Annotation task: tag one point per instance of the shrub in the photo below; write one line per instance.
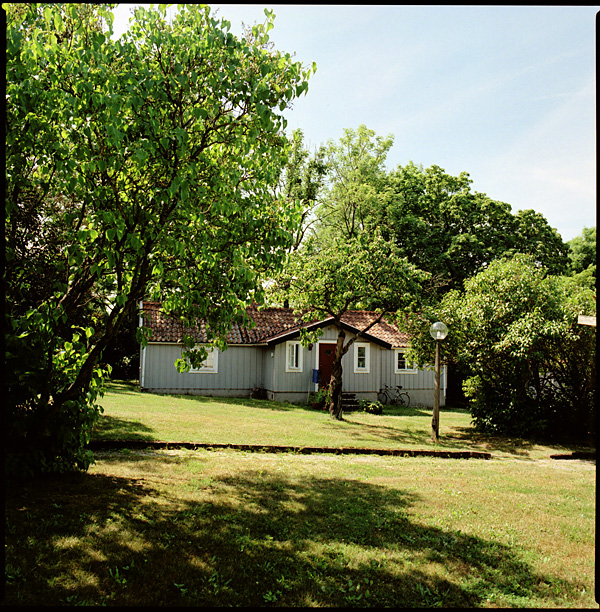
(370, 407)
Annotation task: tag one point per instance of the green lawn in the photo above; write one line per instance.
(131, 415)
(229, 528)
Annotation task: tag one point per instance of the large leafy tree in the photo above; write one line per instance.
(302, 182)
(531, 367)
(342, 267)
(354, 185)
(444, 227)
(437, 221)
(141, 167)
(327, 279)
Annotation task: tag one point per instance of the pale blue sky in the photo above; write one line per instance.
(505, 93)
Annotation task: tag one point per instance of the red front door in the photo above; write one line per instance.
(326, 357)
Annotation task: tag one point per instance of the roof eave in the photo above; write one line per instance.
(292, 334)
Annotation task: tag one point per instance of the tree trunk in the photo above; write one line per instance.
(335, 404)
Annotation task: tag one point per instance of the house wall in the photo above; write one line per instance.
(242, 368)
(419, 384)
(268, 371)
(239, 370)
(295, 387)
(288, 386)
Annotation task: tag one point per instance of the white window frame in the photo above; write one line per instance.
(367, 368)
(210, 365)
(297, 365)
(406, 369)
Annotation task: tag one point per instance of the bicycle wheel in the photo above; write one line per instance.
(404, 399)
(382, 397)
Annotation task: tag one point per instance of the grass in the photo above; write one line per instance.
(131, 415)
(228, 528)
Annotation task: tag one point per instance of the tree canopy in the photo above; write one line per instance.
(582, 255)
(447, 229)
(327, 280)
(436, 220)
(530, 367)
(355, 183)
(135, 168)
(441, 231)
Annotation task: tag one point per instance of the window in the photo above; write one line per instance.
(209, 365)
(294, 356)
(401, 365)
(362, 358)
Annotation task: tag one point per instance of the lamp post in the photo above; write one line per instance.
(438, 332)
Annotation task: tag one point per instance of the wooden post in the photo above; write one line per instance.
(435, 421)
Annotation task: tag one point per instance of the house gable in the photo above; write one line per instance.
(295, 333)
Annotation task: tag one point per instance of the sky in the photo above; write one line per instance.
(504, 93)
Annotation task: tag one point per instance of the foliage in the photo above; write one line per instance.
(322, 396)
(531, 367)
(451, 232)
(531, 234)
(355, 180)
(342, 266)
(582, 255)
(135, 168)
(435, 219)
(123, 351)
(302, 182)
(325, 280)
(370, 406)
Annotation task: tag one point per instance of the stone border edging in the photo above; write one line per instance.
(576, 455)
(141, 444)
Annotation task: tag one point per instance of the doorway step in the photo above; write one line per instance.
(349, 402)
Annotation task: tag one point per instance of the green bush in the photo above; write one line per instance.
(531, 367)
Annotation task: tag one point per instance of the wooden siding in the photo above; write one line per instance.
(242, 368)
(268, 377)
(421, 379)
(291, 382)
(239, 369)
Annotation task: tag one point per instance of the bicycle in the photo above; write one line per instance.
(394, 396)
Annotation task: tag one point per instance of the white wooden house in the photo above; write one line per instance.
(271, 358)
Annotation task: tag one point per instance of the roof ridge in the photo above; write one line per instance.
(270, 323)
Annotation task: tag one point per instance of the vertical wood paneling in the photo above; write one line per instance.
(291, 382)
(241, 368)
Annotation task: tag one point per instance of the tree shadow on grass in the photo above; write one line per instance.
(121, 429)
(389, 410)
(477, 440)
(243, 401)
(123, 387)
(250, 538)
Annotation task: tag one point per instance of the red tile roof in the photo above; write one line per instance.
(272, 325)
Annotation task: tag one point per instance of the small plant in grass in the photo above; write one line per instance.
(13, 574)
(370, 407)
(271, 597)
(117, 576)
(181, 588)
(321, 398)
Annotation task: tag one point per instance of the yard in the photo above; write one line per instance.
(231, 528)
